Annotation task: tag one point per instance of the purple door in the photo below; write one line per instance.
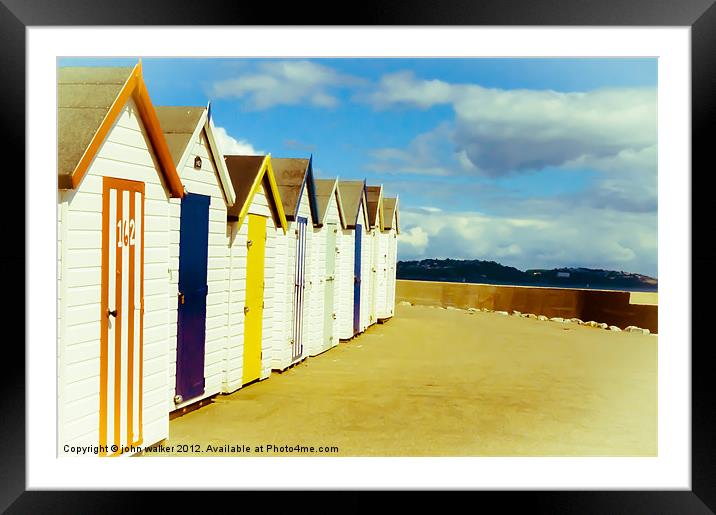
(299, 288)
(191, 315)
(356, 280)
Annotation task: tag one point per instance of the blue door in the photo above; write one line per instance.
(356, 280)
(191, 316)
(299, 288)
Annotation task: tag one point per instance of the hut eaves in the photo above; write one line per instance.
(247, 174)
(182, 125)
(89, 101)
(292, 176)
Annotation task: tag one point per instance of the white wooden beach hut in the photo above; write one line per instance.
(198, 271)
(351, 288)
(116, 176)
(326, 266)
(374, 202)
(294, 261)
(389, 235)
(256, 222)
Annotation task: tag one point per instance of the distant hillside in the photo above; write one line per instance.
(490, 272)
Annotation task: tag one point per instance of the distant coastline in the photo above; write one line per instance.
(490, 272)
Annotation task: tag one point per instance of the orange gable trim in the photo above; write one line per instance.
(137, 90)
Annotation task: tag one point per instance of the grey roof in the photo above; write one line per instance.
(243, 171)
(178, 125)
(373, 196)
(351, 197)
(84, 97)
(290, 176)
(325, 189)
(389, 206)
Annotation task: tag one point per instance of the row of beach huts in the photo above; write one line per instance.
(184, 273)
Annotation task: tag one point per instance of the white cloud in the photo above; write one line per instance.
(502, 131)
(428, 154)
(231, 146)
(414, 240)
(628, 181)
(584, 236)
(464, 161)
(403, 88)
(285, 83)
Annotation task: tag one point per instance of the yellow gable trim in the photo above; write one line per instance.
(266, 169)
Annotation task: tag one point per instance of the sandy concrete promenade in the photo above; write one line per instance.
(443, 382)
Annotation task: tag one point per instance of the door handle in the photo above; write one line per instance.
(249, 243)
(181, 298)
(246, 310)
(112, 313)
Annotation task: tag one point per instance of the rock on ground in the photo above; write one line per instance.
(635, 329)
(598, 325)
(404, 303)
(557, 319)
(503, 313)
(614, 328)
(542, 317)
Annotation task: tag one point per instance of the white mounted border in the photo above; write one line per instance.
(671, 469)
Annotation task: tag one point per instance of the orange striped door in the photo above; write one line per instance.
(122, 315)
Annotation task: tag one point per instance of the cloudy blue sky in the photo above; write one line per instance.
(527, 162)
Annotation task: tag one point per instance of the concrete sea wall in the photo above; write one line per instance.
(617, 308)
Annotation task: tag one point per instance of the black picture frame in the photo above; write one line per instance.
(700, 15)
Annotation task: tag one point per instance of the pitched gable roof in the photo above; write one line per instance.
(374, 200)
(181, 125)
(390, 210)
(248, 174)
(292, 176)
(352, 195)
(178, 125)
(84, 97)
(325, 190)
(89, 100)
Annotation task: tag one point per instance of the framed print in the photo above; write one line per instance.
(416, 249)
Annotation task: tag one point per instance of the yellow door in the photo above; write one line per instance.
(253, 310)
